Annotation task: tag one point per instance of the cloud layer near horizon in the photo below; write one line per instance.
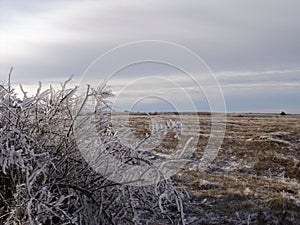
(252, 46)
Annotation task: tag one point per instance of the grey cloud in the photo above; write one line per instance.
(50, 40)
(279, 77)
(228, 31)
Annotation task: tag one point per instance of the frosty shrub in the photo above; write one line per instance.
(45, 180)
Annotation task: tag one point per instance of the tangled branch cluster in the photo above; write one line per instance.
(45, 180)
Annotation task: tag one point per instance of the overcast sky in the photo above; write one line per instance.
(252, 47)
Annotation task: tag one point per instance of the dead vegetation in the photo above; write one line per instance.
(255, 178)
(45, 179)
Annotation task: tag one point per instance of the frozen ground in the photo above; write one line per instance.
(255, 178)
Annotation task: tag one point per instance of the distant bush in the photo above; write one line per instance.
(45, 180)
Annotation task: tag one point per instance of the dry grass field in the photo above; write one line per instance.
(255, 179)
(44, 179)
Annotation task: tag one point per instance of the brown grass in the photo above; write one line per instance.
(255, 177)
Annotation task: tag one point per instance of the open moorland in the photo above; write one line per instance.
(45, 179)
(255, 179)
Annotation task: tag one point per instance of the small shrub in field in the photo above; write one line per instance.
(45, 180)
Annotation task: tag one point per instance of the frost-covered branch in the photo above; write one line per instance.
(45, 180)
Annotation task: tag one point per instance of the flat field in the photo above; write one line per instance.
(255, 178)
